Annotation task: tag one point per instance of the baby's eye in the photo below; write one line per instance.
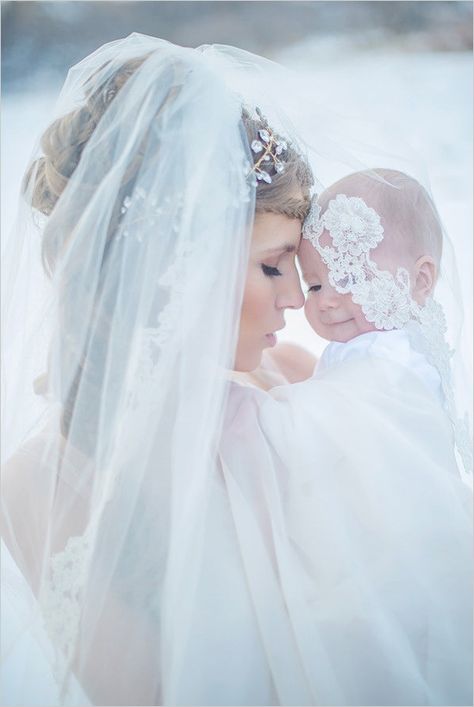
(270, 271)
(314, 288)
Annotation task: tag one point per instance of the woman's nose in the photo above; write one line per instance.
(291, 295)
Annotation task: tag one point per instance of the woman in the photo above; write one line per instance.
(173, 214)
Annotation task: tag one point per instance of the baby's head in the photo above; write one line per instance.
(412, 240)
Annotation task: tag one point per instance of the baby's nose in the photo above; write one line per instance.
(328, 298)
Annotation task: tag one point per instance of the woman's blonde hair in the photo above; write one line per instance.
(64, 140)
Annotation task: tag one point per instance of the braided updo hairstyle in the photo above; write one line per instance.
(64, 140)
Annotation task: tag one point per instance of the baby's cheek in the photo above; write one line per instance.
(361, 322)
(353, 309)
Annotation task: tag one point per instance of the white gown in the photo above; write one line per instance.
(346, 494)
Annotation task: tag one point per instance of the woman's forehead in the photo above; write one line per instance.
(276, 233)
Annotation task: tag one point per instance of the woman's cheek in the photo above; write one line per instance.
(256, 297)
(255, 308)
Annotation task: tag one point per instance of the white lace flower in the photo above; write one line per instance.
(60, 600)
(432, 318)
(384, 303)
(354, 227)
(432, 325)
(345, 271)
(464, 443)
(312, 226)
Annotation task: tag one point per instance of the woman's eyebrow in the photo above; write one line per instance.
(288, 248)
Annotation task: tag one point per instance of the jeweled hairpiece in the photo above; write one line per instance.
(271, 148)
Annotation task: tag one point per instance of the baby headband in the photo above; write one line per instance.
(355, 230)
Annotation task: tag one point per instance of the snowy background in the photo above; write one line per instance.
(405, 66)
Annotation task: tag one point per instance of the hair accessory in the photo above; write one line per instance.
(271, 148)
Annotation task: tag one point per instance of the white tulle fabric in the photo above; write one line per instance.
(350, 483)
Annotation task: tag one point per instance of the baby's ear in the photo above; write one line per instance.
(425, 278)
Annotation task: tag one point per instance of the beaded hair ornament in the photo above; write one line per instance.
(385, 299)
(271, 148)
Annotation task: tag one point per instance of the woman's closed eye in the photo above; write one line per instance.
(314, 288)
(270, 271)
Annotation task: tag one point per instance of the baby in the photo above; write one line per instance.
(383, 216)
(370, 256)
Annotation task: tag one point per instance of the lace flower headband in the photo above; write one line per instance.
(355, 230)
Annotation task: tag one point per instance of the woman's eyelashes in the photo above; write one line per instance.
(270, 271)
(314, 288)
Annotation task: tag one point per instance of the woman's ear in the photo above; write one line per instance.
(425, 278)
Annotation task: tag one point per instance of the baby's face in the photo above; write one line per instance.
(332, 315)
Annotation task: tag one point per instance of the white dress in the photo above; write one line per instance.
(346, 493)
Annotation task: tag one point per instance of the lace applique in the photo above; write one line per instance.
(464, 442)
(384, 301)
(354, 227)
(60, 601)
(142, 210)
(173, 279)
(313, 225)
(151, 341)
(429, 323)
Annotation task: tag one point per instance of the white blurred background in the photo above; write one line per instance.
(406, 66)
